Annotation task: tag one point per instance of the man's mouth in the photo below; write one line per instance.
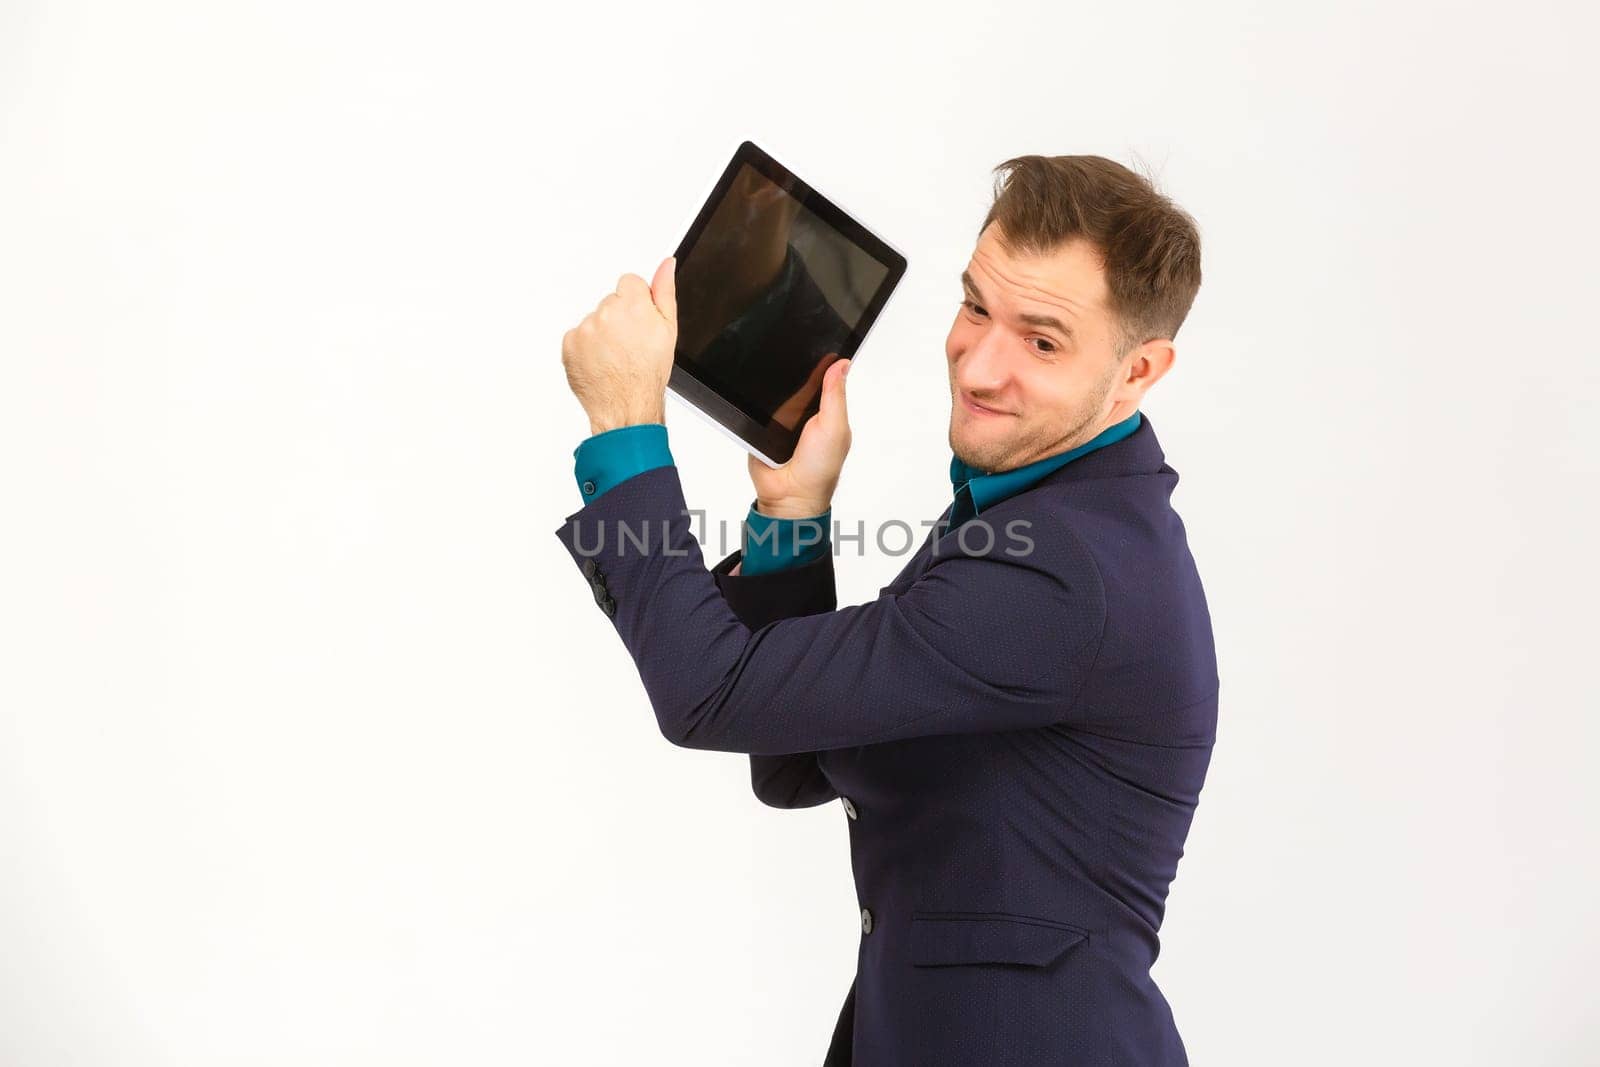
(979, 409)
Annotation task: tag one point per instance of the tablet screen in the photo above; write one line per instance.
(774, 282)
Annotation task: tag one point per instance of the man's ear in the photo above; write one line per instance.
(1146, 365)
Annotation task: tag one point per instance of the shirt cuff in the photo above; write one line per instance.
(608, 459)
(772, 544)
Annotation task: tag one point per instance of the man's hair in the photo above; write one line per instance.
(1149, 247)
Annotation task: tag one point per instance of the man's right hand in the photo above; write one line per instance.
(804, 486)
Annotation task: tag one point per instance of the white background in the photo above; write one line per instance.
(314, 748)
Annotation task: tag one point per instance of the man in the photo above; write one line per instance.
(1019, 726)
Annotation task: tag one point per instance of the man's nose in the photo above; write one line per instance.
(983, 368)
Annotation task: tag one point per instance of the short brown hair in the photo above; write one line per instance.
(1149, 246)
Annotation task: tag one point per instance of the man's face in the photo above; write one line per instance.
(1043, 386)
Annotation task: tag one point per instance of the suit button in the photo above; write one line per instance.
(849, 808)
(600, 594)
(866, 921)
(588, 489)
(609, 607)
(590, 567)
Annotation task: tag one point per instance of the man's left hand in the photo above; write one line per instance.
(619, 358)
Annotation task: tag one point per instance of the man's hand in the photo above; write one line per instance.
(619, 358)
(804, 486)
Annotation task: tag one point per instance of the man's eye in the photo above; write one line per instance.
(1049, 346)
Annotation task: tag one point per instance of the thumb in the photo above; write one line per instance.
(664, 289)
(833, 408)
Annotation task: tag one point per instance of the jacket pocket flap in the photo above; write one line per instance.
(944, 938)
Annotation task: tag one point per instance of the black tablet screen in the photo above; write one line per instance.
(768, 291)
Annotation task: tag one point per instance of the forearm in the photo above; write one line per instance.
(905, 665)
(795, 780)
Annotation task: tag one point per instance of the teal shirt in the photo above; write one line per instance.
(607, 459)
(975, 490)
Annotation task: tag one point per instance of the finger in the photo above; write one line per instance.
(664, 289)
(816, 386)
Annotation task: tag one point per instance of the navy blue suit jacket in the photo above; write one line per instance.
(1018, 738)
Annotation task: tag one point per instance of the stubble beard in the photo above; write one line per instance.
(1033, 443)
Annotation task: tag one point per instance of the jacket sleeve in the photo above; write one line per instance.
(992, 640)
(793, 781)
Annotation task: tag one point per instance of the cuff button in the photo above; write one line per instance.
(588, 489)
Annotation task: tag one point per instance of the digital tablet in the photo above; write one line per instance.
(774, 282)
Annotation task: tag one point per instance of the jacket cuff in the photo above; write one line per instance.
(802, 589)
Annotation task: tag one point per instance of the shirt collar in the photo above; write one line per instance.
(989, 489)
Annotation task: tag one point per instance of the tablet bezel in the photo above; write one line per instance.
(773, 443)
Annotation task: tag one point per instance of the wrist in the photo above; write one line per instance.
(602, 422)
(792, 508)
